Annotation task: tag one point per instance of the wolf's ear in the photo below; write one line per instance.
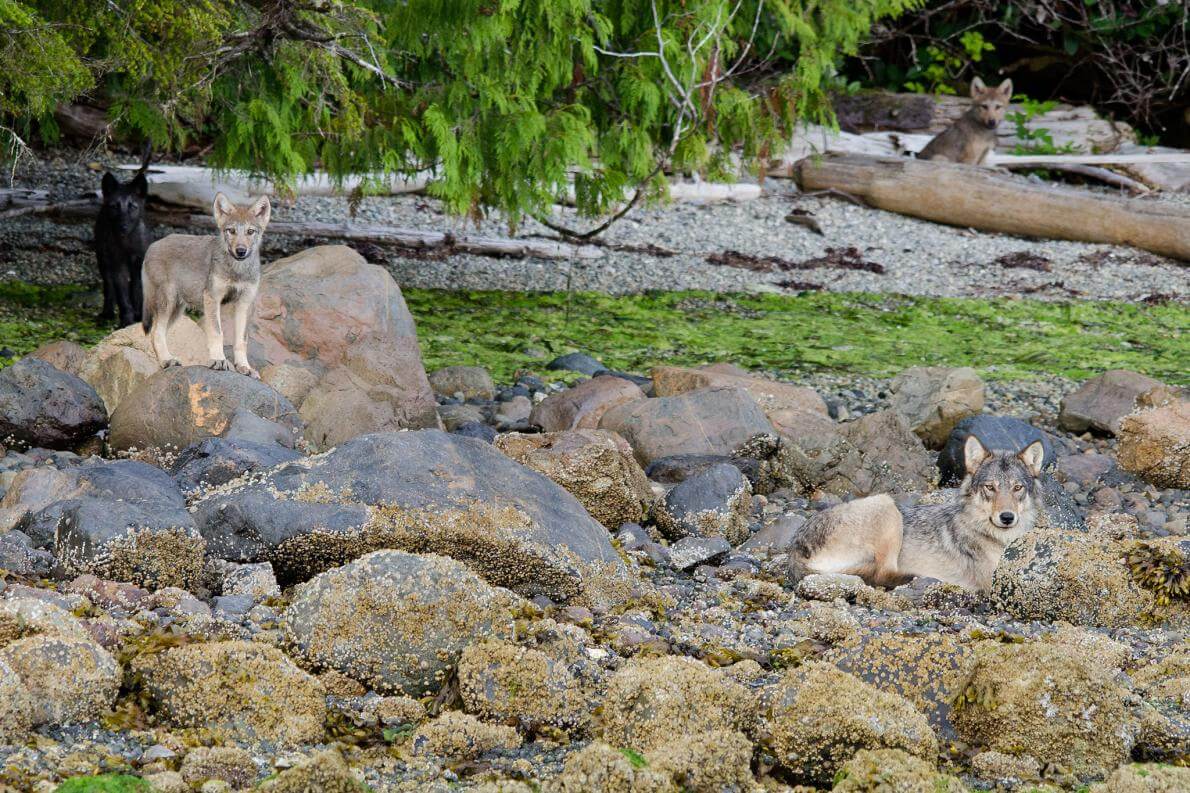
(222, 208)
(977, 87)
(974, 453)
(1032, 456)
(109, 184)
(262, 210)
(1005, 89)
(140, 184)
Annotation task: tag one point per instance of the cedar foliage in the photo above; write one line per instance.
(509, 102)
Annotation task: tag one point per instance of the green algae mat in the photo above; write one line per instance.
(862, 334)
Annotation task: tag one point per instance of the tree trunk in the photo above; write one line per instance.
(981, 198)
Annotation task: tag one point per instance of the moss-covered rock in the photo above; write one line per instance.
(600, 768)
(1078, 577)
(709, 762)
(325, 772)
(507, 683)
(1047, 701)
(892, 771)
(16, 704)
(651, 702)
(68, 679)
(394, 621)
(26, 616)
(1145, 778)
(594, 466)
(460, 736)
(254, 691)
(229, 764)
(817, 717)
(928, 669)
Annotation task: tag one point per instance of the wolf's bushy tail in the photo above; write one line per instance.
(146, 320)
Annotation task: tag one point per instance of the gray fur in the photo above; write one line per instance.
(184, 271)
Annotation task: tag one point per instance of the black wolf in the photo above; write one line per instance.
(121, 238)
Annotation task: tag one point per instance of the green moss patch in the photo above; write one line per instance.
(863, 334)
(877, 335)
(105, 783)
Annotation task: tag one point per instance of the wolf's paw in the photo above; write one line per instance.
(245, 369)
(170, 362)
(221, 365)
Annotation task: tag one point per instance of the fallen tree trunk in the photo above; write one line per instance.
(981, 198)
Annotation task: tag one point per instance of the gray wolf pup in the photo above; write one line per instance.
(185, 271)
(958, 542)
(121, 238)
(969, 139)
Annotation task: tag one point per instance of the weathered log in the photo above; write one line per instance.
(982, 198)
(430, 240)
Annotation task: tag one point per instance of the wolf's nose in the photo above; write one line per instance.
(1007, 518)
(241, 251)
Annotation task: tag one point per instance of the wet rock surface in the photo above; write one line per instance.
(548, 614)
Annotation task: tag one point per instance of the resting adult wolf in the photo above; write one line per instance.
(186, 271)
(960, 542)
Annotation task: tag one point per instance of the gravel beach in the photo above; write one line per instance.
(747, 246)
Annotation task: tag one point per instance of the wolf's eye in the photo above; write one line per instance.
(989, 487)
(251, 232)
(1018, 487)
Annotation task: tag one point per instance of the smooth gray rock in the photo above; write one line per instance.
(44, 406)
(714, 503)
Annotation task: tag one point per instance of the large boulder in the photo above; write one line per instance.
(312, 310)
(395, 621)
(424, 492)
(67, 679)
(769, 394)
(370, 391)
(1101, 402)
(1053, 702)
(583, 406)
(41, 405)
(709, 421)
(996, 433)
(817, 717)
(1155, 444)
(124, 520)
(252, 690)
(933, 399)
(116, 366)
(876, 453)
(183, 405)
(595, 466)
(716, 502)
(469, 382)
(1084, 578)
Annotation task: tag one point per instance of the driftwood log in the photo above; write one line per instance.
(981, 198)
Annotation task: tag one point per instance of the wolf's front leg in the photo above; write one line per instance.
(213, 328)
(243, 308)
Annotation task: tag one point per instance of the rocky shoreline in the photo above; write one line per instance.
(355, 572)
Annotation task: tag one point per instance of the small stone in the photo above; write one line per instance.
(691, 551)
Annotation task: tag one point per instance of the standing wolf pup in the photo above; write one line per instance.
(121, 238)
(973, 136)
(185, 271)
(959, 542)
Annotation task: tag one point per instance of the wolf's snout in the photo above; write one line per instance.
(1007, 519)
(992, 123)
(241, 252)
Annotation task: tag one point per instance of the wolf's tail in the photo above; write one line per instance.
(146, 320)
